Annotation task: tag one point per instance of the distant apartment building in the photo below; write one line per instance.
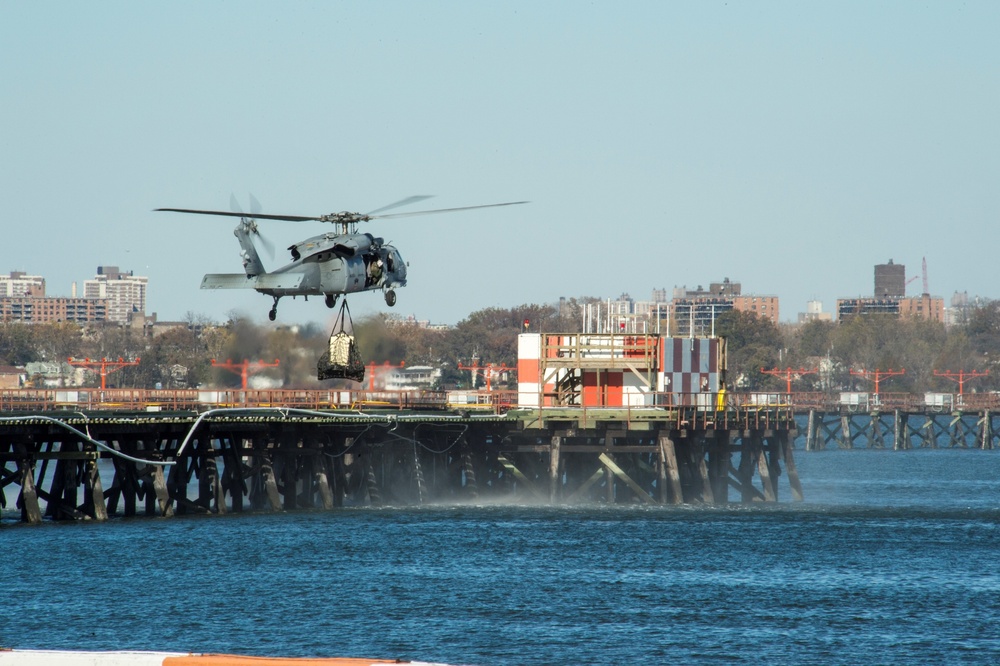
(922, 307)
(23, 299)
(125, 293)
(688, 312)
(49, 309)
(19, 284)
(814, 312)
(889, 298)
(112, 296)
(694, 312)
(890, 280)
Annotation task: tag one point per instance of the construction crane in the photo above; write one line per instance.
(927, 291)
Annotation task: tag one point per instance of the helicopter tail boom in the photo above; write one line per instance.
(273, 283)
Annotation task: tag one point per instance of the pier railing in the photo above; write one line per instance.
(703, 405)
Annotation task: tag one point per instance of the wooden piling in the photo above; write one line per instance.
(322, 484)
(270, 484)
(845, 428)
(554, 445)
(166, 508)
(768, 482)
(93, 491)
(668, 452)
(698, 452)
(471, 484)
(898, 431)
(986, 433)
(31, 512)
(811, 431)
(661, 473)
(790, 469)
(718, 466)
(750, 451)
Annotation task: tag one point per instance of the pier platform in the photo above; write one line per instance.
(93, 464)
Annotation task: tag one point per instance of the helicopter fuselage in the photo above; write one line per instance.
(327, 265)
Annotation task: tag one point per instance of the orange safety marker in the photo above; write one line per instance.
(9, 657)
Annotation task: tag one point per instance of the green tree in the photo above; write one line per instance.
(16, 345)
(753, 342)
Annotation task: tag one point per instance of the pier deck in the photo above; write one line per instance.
(91, 464)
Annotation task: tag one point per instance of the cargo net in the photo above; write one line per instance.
(341, 360)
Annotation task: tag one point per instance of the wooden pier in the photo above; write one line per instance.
(898, 421)
(97, 464)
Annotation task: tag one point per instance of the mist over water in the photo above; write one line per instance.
(892, 559)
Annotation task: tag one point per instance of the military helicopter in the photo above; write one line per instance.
(331, 264)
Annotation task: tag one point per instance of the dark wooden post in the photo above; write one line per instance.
(31, 512)
(790, 469)
(986, 438)
(811, 431)
(668, 453)
(166, 508)
(93, 491)
(554, 468)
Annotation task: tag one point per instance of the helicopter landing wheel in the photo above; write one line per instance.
(390, 298)
(331, 300)
(272, 314)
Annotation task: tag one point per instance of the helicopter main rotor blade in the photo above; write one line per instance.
(401, 202)
(258, 216)
(448, 210)
(344, 217)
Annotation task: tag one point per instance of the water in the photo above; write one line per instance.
(893, 560)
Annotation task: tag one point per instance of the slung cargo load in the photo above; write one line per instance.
(341, 360)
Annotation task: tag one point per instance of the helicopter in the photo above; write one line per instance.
(329, 265)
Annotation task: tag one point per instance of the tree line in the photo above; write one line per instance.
(828, 352)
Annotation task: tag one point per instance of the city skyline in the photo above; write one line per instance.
(131, 299)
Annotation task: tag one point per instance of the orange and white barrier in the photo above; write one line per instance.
(125, 658)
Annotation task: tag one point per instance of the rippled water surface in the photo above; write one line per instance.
(893, 559)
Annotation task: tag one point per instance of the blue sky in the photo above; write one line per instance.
(789, 146)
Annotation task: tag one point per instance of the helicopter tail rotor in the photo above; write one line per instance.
(265, 242)
(252, 226)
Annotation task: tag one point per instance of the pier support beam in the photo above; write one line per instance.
(31, 512)
(554, 468)
(986, 434)
(718, 466)
(811, 432)
(93, 491)
(322, 483)
(270, 483)
(166, 508)
(789, 458)
(765, 463)
(668, 458)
